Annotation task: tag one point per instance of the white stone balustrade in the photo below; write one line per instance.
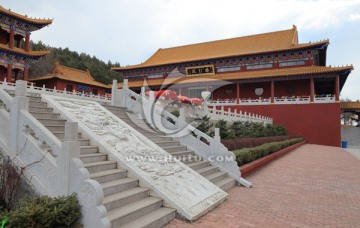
(267, 101)
(31, 89)
(188, 135)
(52, 167)
(216, 114)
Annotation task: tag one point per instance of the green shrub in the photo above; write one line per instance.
(225, 131)
(255, 130)
(175, 113)
(246, 155)
(45, 212)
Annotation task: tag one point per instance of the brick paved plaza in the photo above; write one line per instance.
(312, 186)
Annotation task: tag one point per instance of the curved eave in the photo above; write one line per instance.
(320, 44)
(18, 51)
(281, 74)
(35, 21)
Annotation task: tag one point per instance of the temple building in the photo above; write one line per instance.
(71, 80)
(15, 51)
(270, 74)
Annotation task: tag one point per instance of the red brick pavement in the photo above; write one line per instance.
(313, 186)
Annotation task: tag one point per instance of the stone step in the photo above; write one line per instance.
(183, 153)
(120, 185)
(44, 115)
(156, 139)
(207, 170)
(192, 159)
(83, 143)
(37, 104)
(60, 135)
(95, 167)
(88, 149)
(31, 98)
(47, 121)
(40, 109)
(55, 128)
(167, 143)
(199, 165)
(132, 211)
(175, 148)
(109, 107)
(155, 219)
(226, 184)
(120, 199)
(96, 157)
(218, 176)
(108, 175)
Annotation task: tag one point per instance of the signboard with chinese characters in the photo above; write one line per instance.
(200, 70)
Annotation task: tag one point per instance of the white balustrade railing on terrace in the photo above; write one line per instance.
(51, 166)
(216, 114)
(277, 100)
(63, 93)
(188, 135)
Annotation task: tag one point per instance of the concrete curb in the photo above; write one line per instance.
(259, 163)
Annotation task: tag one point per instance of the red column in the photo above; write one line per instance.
(337, 88)
(238, 93)
(26, 74)
(27, 42)
(312, 90)
(9, 73)
(11, 37)
(272, 92)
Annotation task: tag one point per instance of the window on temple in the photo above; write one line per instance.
(95, 92)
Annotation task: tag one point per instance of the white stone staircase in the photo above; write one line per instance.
(176, 149)
(127, 204)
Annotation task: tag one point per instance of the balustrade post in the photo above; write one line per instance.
(70, 148)
(20, 102)
(117, 98)
(181, 119)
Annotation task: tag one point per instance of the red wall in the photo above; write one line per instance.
(281, 88)
(317, 123)
(61, 85)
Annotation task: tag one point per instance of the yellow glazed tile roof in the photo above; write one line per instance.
(24, 17)
(355, 105)
(71, 74)
(270, 73)
(246, 45)
(21, 51)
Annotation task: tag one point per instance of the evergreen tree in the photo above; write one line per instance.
(100, 70)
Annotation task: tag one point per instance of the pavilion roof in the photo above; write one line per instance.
(25, 17)
(71, 74)
(245, 75)
(284, 40)
(350, 106)
(23, 52)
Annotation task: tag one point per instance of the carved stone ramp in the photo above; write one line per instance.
(175, 148)
(181, 187)
(127, 204)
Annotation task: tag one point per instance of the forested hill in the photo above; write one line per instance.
(98, 68)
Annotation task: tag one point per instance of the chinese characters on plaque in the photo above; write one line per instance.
(200, 70)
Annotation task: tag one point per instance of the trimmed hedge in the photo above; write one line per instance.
(247, 155)
(45, 212)
(235, 144)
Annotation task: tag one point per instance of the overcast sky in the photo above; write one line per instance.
(130, 31)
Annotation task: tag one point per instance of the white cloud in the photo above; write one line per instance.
(354, 17)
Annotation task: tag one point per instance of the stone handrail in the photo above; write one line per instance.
(63, 93)
(216, 114)
(277, 100)
(210, 148)
(52, 167)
